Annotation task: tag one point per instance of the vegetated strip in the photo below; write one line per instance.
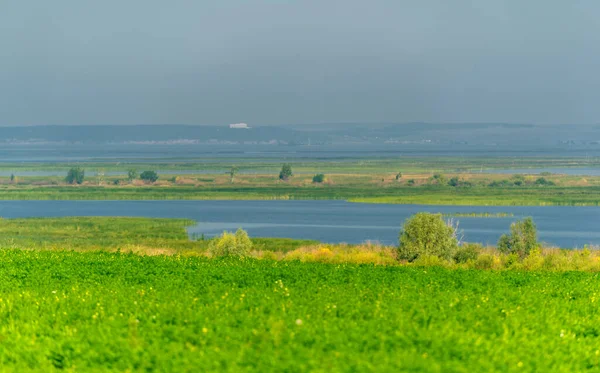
(97, 311)
(526, 196)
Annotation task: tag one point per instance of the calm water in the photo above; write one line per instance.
(47, 153)
(583, 171)
(329, 221)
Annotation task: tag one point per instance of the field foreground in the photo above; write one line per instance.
(110, 311)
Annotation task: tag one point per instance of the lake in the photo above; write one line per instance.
(327, 221)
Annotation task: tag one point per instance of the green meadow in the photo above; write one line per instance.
(433, 195)
(339, 165)
(99, 311)
(139, 235)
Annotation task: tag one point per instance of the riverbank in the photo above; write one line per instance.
(153, 236)
(390, 194)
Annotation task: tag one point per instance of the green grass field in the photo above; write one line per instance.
(366, 181)
(431, 195)
(338, 165)
(140, 235)
(115, 312)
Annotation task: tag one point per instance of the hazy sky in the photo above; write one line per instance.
(303, 61)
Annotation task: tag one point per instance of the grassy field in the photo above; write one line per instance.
(366, 181)
(107, 311)
(139, 235)
(432, 195)
(343, 165)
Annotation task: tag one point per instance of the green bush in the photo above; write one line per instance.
(438, 179)
(426, 234)
(318, 178)
(456, 182)
(467, 252)
(286, 172)
(231, 244)
(132, 175)
(150, 176)
(521, 240)
(75, 175)
(485, 261)
(542, 181)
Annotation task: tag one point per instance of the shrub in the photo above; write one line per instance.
(534, 260)
(467, 252)
(75, 175)
(149, 176)
(410, 182)
(522, 239)
(286, 172)
(542, 181)
(518, 179)
(426, 234)
(318, 178)
(232, 172)
(430, 261)
(438, 179)
(485, 261)
(132, 175)
(231, 244)
(456, 182)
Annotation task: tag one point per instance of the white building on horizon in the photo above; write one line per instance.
(239, 125)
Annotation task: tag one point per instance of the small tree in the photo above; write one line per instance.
(13, 178)
(521, 240)
(149, 176)
(286, 172)
(132, 175)
(318, 178)
(426, 234)
(232, 172)
(439, 179)
(230, 244)
(75, 175)
(399, 176)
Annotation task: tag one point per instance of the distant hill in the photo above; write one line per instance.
(466, 134)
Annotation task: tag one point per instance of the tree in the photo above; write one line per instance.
(399, 176)
(318, 178)
(230, 244)
(75, 175)
(13, 178)
(454, 182)
(521, 240)
(149, 176)
(132, 175)
(426, 234)
(286, 172)
(232, 172)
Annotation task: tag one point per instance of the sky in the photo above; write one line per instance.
(270, 62)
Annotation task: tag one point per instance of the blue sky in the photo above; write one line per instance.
(278, 62)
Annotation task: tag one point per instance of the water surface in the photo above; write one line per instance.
(328, 221)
